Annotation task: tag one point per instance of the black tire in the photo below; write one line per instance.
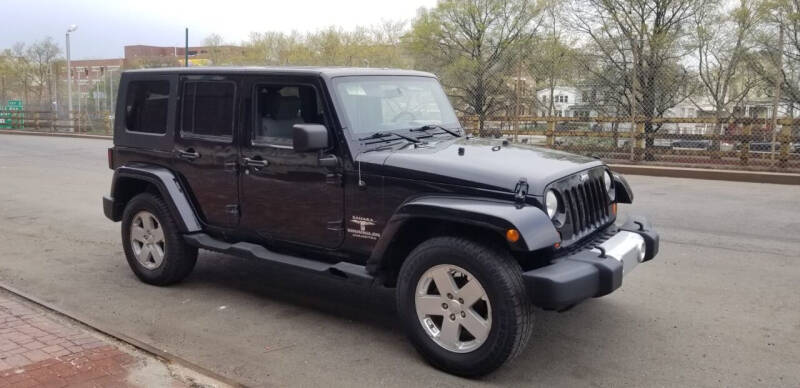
(501, 278)
(179, 257)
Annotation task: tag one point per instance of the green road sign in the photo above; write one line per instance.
(8, 120)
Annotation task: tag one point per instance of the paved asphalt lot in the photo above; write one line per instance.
(720, 306)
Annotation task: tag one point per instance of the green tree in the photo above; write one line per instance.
(472, 44)
(215, 53)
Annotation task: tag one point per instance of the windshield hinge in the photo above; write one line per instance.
(521, 191)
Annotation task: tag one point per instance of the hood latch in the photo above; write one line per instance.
(521, 191)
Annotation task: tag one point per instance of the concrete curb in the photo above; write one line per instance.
(55, 134)
(709, 174)
(147, 348)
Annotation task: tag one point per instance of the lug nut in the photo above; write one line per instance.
(461, 300)
(463, 314)
(452, 317)
(449, 296)
(444, 306)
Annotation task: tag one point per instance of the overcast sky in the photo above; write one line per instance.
(105, 26)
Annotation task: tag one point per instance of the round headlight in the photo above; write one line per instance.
(607, 180)
(551, 203)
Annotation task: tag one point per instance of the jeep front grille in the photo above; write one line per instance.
(586, 205)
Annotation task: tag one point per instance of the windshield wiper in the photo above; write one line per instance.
(381, 135)
(429, 127)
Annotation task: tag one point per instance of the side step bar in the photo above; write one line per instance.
(344, 270)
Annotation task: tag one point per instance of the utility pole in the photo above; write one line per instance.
(96, 96)
(186, 49)
(112, 108)
(78, 73)
(776, 96)
(71, 28)
(108, 100)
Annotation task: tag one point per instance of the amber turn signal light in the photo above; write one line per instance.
(614, 208)
(512, 235)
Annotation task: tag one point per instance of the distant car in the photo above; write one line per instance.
(767, 146)
(691, 144)
(367, 176)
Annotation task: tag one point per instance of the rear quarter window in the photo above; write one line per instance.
(147, 106)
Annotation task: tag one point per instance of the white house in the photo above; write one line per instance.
(564, 97)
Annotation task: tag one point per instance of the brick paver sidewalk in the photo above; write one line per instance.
(38, 350)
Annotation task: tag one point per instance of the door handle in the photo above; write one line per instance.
(255, 163)
(188, 154)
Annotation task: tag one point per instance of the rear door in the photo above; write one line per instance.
(205, 151)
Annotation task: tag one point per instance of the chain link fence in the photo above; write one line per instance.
(693, 83)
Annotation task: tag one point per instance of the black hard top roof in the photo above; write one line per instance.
(325, 72)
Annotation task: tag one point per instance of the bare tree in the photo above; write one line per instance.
(779, 64)
(553, 58)
(722, 43)
(41, 56)
(471, 44)
(642, 39)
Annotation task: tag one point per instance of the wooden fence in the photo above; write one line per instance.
(729, 143)
(50, 121)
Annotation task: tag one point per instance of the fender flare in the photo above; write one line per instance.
(168, 186)
(623, 194)
(535, 227)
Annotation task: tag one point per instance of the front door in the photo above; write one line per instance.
(286, 195)
(205, 151)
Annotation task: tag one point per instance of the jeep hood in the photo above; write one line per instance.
(481, 163)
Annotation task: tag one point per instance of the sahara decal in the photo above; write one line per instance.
(361, 231)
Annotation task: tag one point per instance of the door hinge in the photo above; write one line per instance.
(521, 191)
(232, 210)
(336, 226)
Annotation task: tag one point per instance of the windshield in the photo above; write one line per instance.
(387, 103)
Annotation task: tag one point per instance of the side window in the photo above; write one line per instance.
(146, 106)
(280, 107)
(208, 109)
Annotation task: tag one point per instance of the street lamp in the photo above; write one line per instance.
(71, 28)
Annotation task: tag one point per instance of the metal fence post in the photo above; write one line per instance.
(747, 131)
(551, 131)
(786, 136)
(640, 141)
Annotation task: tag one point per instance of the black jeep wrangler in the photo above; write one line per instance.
(367, 175)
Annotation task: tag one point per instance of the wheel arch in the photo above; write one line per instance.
(477, 219)
(132, 180)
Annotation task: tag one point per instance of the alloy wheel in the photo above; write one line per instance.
(453, 308)
(147, 240)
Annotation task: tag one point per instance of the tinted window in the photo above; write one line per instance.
(208, 108)
(280, 107)
(146, 104)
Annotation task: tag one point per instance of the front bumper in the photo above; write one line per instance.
(594, 271)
